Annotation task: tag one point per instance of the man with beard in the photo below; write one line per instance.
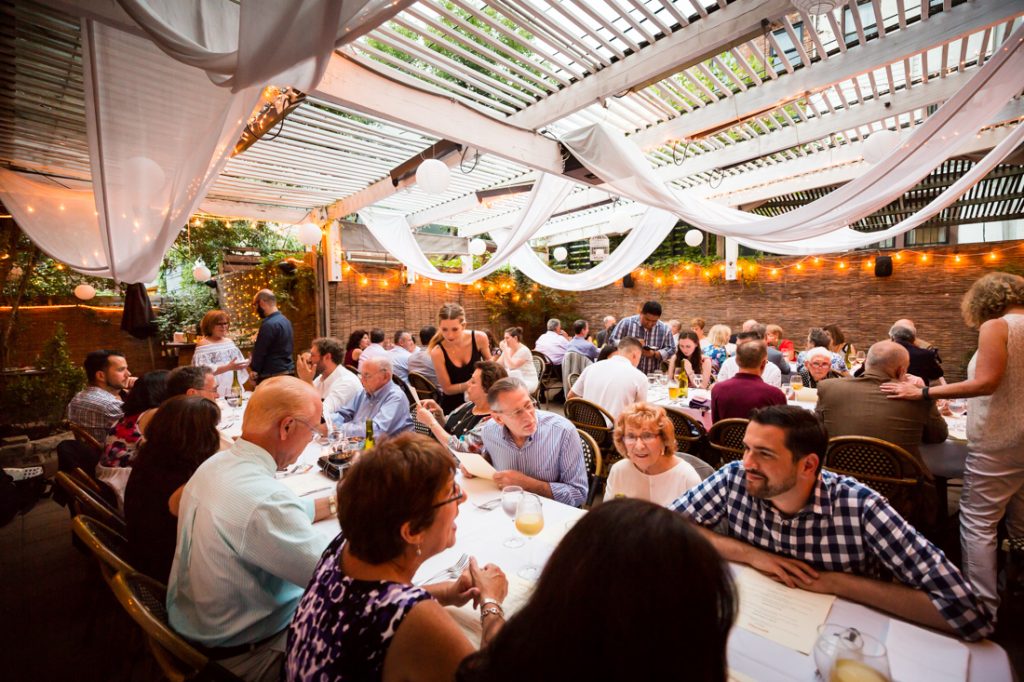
(272, 353)
(813, 529)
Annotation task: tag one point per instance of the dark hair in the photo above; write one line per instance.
(185, 377)
(97, 361)
(589, 619)
(836, 333)
(578, 326)
(805, 432)
(819, 337)
(211, 320)
(354, 339)
(427, 332)
(377, 336)
(328, 345)
(516, 333)
(606, 350)
(149, 391)
(696, 357)
(394, 483)
(490, 372)
(182, 434)
(651, 308)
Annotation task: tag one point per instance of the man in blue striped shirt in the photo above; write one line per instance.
(538, 451)
(655, 335)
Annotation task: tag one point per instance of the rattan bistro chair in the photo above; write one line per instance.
(889, 470)
(145, 601)
(83, 436)
(85, 501)
(108, 546)
(550, 376)
(592, 459)
(691, 436)
(540, 366)
(423, 386)
(726, 438)
(592, 418)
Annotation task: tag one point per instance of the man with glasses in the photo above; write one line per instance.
(247, 547)
(746, 391)
(381, 400)
(538, 451)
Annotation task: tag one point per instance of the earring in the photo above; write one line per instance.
(418, 551)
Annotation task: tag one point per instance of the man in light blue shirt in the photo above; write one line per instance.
(538, 451)
(420, 360)
(380, 400)
(579, 343)
(246, 545)
(400, 354)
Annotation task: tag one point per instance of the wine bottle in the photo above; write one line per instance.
(236, 387)
(368, 443)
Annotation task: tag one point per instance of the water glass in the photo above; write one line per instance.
(510, 495)
(697, 379)
(844, 654)
(957, 407)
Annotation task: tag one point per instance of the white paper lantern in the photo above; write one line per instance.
(816, 7)
(879, 145)
(560, 253)
(433, 176)
(477, 246)
(310, 234)
(200, 272)
(693, 238)
(85, 292)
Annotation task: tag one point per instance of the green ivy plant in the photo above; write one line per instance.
(515, 299)
(41, 400)
(183, 311)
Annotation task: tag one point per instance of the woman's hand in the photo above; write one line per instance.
(427, 416)
(457, 592)
(489, 581)
(902, 390)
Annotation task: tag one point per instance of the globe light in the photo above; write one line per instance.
(693, 237)
(560, 253)
(477, 246)
(879, 145)
(200, 272)
(433, 176)
(310, 234)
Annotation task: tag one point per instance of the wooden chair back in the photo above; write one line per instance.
(726, 438)
(84, 501)
(83, 436)
(593, 461)
(108, 546)
(423, 386)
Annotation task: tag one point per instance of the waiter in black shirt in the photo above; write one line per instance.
(272, 354)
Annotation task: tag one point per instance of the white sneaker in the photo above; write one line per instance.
(25, 473)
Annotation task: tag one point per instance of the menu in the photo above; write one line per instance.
(782, 614)
(475, 464)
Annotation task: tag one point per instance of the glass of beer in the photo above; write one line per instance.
(529, 522)
(796, 382)
(845, 654)
(673, 390)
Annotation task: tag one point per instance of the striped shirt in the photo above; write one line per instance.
(553, 454)
(388, 407)
(96, 410)
(245, 552)
(658, 337)
(846, 527)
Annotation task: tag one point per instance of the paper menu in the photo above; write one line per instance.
(782, 614)
(918, 654)
(475, 464)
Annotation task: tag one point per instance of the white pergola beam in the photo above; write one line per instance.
(959, 22)
(688, 46)
(432, 215)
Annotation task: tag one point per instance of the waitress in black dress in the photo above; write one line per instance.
(455, 351)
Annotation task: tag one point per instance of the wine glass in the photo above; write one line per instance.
(510, 495)
(957, 407)
(796, 382)
(529, 522)
(844, 654)
(697, 379)
(861, 355)
(334, 438)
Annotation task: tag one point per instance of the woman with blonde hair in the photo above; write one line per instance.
(994, 471)
(455, 351)
(217, 351)
(718, 340)
(650, 470)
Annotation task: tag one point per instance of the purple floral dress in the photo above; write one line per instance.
(343, 627)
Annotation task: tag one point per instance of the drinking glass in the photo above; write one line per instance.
(844, 654)
(529, 522)
(510, 495)
(957, 407)
(673, 390)
(697, 379)
(334, 438)
(796, 382)
(860, 357)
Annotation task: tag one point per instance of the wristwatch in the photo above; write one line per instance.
(924, 393)
(332, 505)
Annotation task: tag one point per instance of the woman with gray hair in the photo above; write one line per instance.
(994, 471)
(818, 367)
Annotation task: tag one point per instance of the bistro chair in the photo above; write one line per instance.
(145, 601)
(596, 476)
(550, 376)
(726, 439)
(423, 386)
(702, 468)
(108, 546)
(889, 470)
(353, 369)
(595, 421)
(86, 481)
(572, 381)
(84, 501)
(691, 436)
(540, 367)
(83, 436)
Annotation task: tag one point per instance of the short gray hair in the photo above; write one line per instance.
(501, 387)
(817, 351)
(554, 324)
(382, 362)
(898, 332)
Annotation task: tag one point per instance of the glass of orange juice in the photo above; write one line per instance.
(529, 522)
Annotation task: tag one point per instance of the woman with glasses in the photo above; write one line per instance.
(817, 367)
(461, 429)
(361, 616)
(650, 470)
(218, 352)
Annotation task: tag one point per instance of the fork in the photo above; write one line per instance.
(488, 505)
(450, 573)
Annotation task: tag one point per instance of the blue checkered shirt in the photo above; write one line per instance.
(659, 337)
(845, 527)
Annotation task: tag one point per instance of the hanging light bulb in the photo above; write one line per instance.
(693, 237)
(200, 272)
(560, 253)
(310, 234)
(85, 292)
(477, 246)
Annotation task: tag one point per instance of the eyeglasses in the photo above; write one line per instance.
(647, 437)
(519, 412)
(318, 430)
(457, 494)
(819, 364)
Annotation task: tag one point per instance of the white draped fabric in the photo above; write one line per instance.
(255, 42)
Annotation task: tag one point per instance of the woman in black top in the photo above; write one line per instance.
(456, 344)
(180, 436)
(460, 430)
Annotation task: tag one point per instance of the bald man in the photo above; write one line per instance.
(272, 353)
(246, 545)
(856, 406)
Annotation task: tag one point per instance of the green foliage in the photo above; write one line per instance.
(517, 300)
(183, 311)
(43, 398)
(294, 291)
(48, 280)
(210, 238)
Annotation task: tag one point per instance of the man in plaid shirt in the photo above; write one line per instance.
(98, 406)
(652, 332)
(826, 533)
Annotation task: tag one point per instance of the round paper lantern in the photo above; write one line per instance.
(693, 237)
(200, 272)
(879, 145)
(477, 246)
(816, 7)
(560, 253)
(84, 292)
(145, 174)
(310, 234)
(433, 176)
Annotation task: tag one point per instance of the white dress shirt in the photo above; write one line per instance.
(553, 345)
(770, 375)
(337, 390)
(612, 384)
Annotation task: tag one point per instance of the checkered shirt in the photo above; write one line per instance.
(659, 337)
(845, 527)
(96, 410)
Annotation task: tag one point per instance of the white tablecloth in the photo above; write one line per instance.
(480, 534)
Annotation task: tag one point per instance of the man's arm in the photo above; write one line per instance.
(668, 346)
(789, 572)
(936, 429)
(899, 600)
(531, 485)
(259, 349)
